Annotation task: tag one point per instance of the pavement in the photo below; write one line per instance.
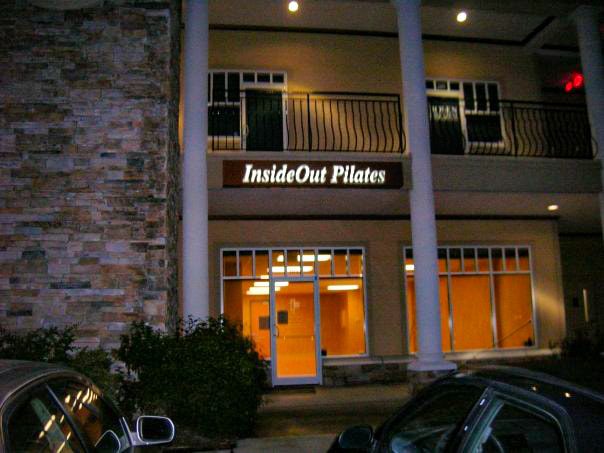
(307, 419)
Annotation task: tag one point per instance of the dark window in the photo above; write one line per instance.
(233, 94)
(430, 424)
(483, 128)
(36, 424)
(481, 97)
(249, 77)
(95, 419)
(278, 78)
(468, 94)
(441, 84)
(518, 430)
(218, 87)
(223, 120)
(493, 97)
(454, 86)
(264, 77)
(430, 84)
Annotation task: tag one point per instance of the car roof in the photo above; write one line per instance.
(584, 407)
(15, 374)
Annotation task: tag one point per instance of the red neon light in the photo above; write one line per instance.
(577, 80)
(568, 86)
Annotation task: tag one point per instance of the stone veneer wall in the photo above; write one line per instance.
(89, 166)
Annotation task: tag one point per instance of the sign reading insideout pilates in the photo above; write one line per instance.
(308, 174)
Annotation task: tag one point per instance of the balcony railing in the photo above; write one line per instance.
(510, 128)
(255, 120)
(321, 121)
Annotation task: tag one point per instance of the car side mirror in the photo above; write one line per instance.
(152, 430)
(356, 438)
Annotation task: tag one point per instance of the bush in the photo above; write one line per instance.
(55, 345)
(207, 377)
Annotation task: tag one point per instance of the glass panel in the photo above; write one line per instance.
(454, 260)
(493, 97)
(444, 314)
(431, 422)
(481, 97)
(468, 260)
(249, 77)
(262, 264)
(308, 262)
(246, 302)
(233, 80)
(356, 262)
(514, 429)
(497, 259)
(429, 84)
(245, 263)
(510, 260)
(324, 262)
(37, 425)
(340, 262)
(229, 264)
(523, 260)
(342, 316)
(468, 94)
(442, 260)
(264, 77)
(295, 342)
(91, 414)
(278, 265)
(294, 267)
(218, 87)
(278, 77)
(471, 301)
(513, 305)
(223, 120)
(483, 260)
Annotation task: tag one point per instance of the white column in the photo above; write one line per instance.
(423, 223)
(194, 170)
(590, 46)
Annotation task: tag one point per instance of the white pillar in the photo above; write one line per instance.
(423, 222)
(590, 46)
(194, 170)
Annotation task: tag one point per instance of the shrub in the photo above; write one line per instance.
(207, 377)
(55, 345)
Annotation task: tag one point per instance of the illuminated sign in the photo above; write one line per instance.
(357, 174)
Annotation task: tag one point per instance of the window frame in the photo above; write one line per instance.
(316, 274)
(460, 95)
(490, 273)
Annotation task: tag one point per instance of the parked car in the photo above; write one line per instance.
(50, 408)
(495, 409)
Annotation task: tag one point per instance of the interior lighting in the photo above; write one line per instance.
(291, 269)
(409, 267)
(553, 207)
(342, 287)
(259, 291)
(577, 80)
(266, 284)
(462, 16)
(307, 258)
(293, 6)
(568, 86)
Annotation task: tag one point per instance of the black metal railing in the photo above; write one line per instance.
(511, 128)
(320, 121)
(255, 120)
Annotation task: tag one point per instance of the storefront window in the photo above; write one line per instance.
(485, 298)
(340, 295)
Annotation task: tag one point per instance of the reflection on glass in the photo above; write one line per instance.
(245, 263)
(356, 262)
(262, 263)
(278, 264)
(229, 263)
(325, 264)
(340, 261)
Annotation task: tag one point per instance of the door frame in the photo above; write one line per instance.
(318, 379)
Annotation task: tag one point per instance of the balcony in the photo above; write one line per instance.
(255, 120)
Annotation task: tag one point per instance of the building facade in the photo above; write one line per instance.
(362, 191)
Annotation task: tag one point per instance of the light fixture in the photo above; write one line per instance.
(462, 16)
(342, 287)
(266, 284)
(410, 267)
(259, 291)
(293, 6)
(306, 258)
(291, 269)
(553, 207)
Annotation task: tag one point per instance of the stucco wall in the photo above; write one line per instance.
(89, 174)
(321, 62)
(383, 242)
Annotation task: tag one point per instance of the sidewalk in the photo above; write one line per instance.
(306, 420)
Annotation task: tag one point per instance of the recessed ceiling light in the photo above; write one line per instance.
(462, 16)
(293, 6)
(552, 207)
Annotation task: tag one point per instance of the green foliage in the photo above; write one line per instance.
(44, 345)
(207, 377)
(55, 345)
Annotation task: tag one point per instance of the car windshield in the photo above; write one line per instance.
(429, 423)
(98, 422)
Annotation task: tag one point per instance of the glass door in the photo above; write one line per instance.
(296, 355)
